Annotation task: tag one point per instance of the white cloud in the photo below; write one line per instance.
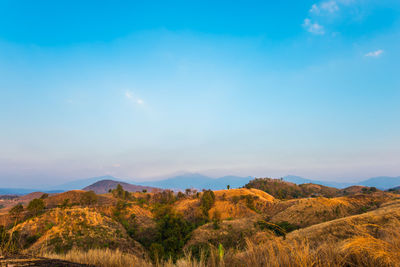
(326, 11)
(128, 94)
(329, 6)
(324, 7)
(376, 53)
(313, 27)
(314, 9)
(116, 165)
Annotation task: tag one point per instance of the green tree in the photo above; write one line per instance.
(173, 232)
(364, 189)
(228, 187)
(36, 206)
(120, 193)
(164, 197)
(206, 201)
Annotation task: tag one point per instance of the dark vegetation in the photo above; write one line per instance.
(36, 207)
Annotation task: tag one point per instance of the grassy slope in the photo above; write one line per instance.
(337, 220)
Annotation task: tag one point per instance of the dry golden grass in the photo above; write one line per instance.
(380, 223)
(100, 257)
(332, 234)
(224, 205)
(75, 227)
(309, 211)
(230, 233)
(228, 210)
(357, 251)
(244, 191)
(370, 239)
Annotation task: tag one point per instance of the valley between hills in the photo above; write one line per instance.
(267, 222)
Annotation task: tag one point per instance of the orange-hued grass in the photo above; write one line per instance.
(309, 211)
(369, 239)
(65, 228)
(225, 205)
(100, 257)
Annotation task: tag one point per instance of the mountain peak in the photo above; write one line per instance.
(103, 186)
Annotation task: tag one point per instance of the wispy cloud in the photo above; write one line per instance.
(376, 53)
(129, 95)
(313, 27)
(325, 11)
(324, 7)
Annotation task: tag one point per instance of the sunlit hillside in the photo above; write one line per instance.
(208, 228)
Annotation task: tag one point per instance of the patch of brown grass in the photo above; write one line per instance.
(100, 257)
(309, 211)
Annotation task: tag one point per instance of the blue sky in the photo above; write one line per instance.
(147, 89)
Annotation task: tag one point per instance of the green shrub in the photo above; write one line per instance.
(164, 197)
(36, 207)
(172, 232)
(207, 201)
(120, 193)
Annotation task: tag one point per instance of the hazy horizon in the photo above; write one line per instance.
(147, 90)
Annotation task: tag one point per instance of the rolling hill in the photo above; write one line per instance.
(81, 183)
(167, 224)
(103, 186)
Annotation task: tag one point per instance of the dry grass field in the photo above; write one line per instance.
(235, 227)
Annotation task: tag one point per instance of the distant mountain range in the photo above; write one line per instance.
(103, 186)
(381, 182)
(199, 181)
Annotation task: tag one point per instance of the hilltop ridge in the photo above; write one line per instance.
(104, 186)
